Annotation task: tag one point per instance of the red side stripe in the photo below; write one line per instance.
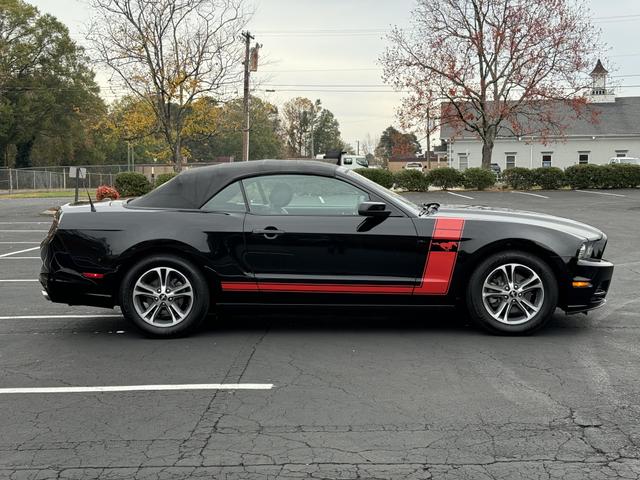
(436, 275)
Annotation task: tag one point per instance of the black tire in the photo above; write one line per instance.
(516, 321)
(193, 315)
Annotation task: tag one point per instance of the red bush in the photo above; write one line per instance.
(105, 191)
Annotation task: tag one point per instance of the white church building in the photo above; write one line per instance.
(614, 133)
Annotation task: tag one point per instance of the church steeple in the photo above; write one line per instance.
(599, 91)
(599, 77)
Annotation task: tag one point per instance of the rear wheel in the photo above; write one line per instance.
(512, 293)
(164, 296)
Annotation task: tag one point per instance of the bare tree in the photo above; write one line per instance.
(171, 52)
(498, 66)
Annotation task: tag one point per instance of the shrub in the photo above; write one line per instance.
(619, 176)
(164, 178)
(132, 184)
(445, 177)
(106, 191)
(378, 175)
(583, 176)
(412, 180)
(518, 178)
(479, 178)
(548, 178)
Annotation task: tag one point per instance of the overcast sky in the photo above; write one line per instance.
(337, 42)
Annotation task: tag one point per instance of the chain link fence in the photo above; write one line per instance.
(58, 178)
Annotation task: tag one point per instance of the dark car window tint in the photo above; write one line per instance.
(229, 199)
(302, 195)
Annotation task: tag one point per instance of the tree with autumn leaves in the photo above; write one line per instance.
(493, 67)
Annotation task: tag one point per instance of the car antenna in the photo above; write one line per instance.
(93, 207)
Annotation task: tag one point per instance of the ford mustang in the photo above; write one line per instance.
(278, 232)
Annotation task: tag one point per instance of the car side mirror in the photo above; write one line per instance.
(373, 209)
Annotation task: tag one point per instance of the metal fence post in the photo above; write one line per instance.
(17, 177)
(34, 179)
(64, 179)
(10, 181)
(50, 179)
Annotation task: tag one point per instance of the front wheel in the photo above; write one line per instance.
(164, 296)
(512, 293)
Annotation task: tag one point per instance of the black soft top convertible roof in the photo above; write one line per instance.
(194, 187)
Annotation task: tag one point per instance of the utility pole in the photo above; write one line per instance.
(247, 72)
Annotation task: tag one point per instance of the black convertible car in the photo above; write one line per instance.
(309, 233)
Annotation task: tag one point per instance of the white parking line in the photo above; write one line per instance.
(460, 195)
(23, 231)
(24, 223)
(20, 258)
(601, 193)
(143, 388)
(532, 194)
(19, 243)
(19, 251)
(40, 317)
(11, 280)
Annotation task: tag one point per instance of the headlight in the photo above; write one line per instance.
(585, 250)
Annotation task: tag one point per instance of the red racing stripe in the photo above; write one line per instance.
(436, 275)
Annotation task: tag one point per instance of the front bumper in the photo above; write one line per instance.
(597, 274)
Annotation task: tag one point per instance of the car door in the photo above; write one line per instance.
(304, 236)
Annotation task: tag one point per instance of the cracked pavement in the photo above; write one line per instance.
(413, 394)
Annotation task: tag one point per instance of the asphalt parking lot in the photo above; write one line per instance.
(373, 395)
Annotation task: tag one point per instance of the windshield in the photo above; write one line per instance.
(362, 161)
(385, 192)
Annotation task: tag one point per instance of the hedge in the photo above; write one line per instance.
(619, 176)
(549, 178)
(479, 178)
(583, 176)
(378, 175)
(164, 178)
(445, 178)
(412, 180)
(132, 184)
(519, 178)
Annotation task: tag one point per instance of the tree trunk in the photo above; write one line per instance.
(487, 151)
(177, 156)
(23, 153)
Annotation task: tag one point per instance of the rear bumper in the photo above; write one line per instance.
(597, 273)
(73, 289)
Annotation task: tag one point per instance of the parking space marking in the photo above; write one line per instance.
(24, 223)
(460, 195)
(601, 193)
(19, 243)
(142, 388)
(532, 194)
(19, 251)
(11, 280)
(21, 258)
(41, 317)
(24, 231)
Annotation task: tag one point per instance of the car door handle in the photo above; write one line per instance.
(269, 233)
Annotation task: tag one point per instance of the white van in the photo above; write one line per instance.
(348, 161)
(624, 160)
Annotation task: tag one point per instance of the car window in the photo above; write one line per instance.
(302, 195)
(229, 199)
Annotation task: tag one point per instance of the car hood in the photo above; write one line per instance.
(493, 214)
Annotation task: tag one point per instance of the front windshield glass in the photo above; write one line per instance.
(385, 192)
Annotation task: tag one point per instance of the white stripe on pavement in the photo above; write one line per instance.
(21, 258)
(19, 243)
(19, 251)
(24, 231)
(532, 194)
(143, 388)
(11, 280)
(40, 317)
(460, 195)
(24, 223)
(601, 193)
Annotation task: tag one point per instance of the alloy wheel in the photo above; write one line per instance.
(163, 297)
(513, 294)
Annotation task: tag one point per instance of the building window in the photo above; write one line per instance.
(546, 159)
(621, 153)
(463, 161)
(510, 160)
(583, 158)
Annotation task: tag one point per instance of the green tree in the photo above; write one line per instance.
(48, 97)
(326, 133)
